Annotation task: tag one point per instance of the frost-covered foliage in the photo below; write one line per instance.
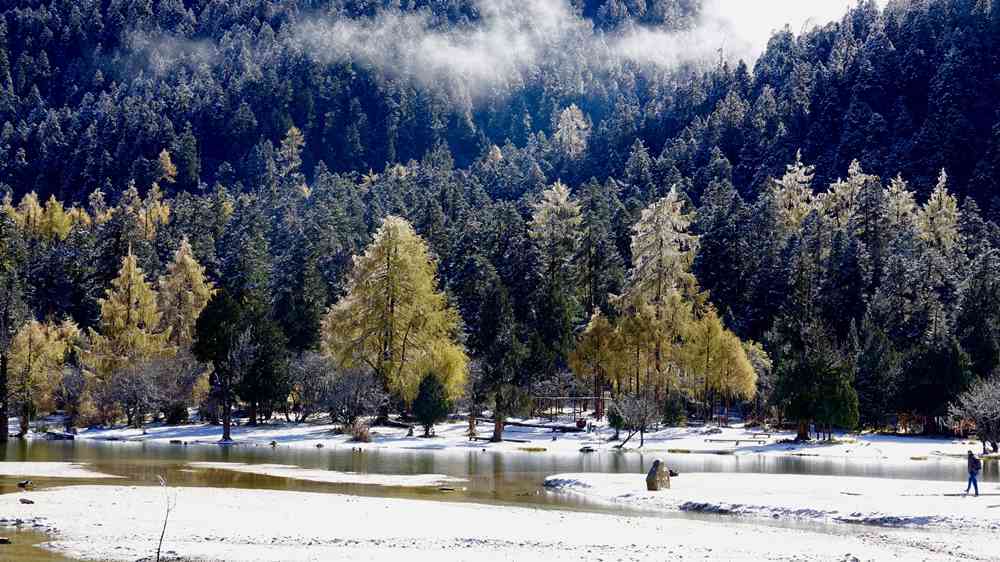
(311, 377)
(353, 394)
(637, 412)
(981, 405)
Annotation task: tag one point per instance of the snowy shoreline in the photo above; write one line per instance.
(821, 499)
(50, 470)
(453, 435)
(331, 476)
(123, 523)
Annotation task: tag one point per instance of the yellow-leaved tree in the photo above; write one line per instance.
(717, 363)
(661, 283)
(38, 353)
(393, 318)
(594, 358)
(184, 293)
(130, 335)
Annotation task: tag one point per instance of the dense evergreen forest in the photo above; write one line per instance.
(203, 199)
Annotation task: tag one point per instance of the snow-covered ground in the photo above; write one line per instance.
(49, 470)
(825, 499)
(123, 523)
(332, 476)
(676, 440)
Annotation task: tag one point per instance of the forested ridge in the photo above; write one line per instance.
(814, 231)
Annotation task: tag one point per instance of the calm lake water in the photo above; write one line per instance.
(509, 478)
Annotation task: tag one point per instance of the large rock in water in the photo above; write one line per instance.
(658, 477)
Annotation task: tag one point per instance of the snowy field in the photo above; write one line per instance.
(123, 523)
(824, 499)
(676, 440)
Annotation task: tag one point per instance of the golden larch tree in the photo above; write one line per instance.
(184, 293)
(38, 352)
(130, 332)
(393, 318)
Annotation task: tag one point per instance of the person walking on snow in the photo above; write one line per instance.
(975, 465)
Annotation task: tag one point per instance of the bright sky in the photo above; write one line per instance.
(754, 20)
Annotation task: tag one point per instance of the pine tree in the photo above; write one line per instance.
(57, 222)
(814, 379)
(723, 259)
(901, 208)
(938, 219)
(572, 132)
(431, 405)
(184, 293)
(393, 319)
(188, 169)
(502, 374)
(224, 341)
(554, 230)
(840, 203)
(640, 184)
(739, 376)
(878, 367)
(13, 305)
(248, 279)
(598, 264)
(793, 194)
(978, 317)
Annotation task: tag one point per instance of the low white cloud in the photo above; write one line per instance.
(515, 38)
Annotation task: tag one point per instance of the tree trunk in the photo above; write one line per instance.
(627, 439)
(227, 411)
(498, 419)
(227, 420)
(4, 418)
(253, 413)
(803, 434)
(25, 416)
(598, 407)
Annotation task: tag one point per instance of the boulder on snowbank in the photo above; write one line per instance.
(658, 477)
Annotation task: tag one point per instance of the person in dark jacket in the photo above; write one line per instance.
(975, 465)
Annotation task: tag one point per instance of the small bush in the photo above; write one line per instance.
(616, 422)
(432, 405)
(360, 432)
(175, 413)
